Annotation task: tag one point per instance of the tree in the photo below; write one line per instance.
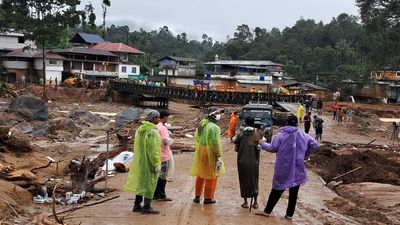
(42, 21)
(382, 21)
(104, 5)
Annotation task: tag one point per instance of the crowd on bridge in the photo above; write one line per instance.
(153, 158)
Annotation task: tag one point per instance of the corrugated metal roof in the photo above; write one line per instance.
(254, 81)
(116, 47)
(87, 38)
(32, 53)
(177, 58)
(87, 51)
(243, 63)
(306, 85)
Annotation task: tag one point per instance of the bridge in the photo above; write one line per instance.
(200, 97)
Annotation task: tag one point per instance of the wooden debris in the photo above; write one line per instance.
(20, 175)
(34, 170)
(60, 221)
(341, 175)
(88, 204)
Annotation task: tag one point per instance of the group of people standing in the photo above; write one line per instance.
(316, 121)
(291, 145)
(147, 176)
(342, 115)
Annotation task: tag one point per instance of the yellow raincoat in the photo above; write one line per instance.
(142, 177)
(208, 150)
(300, 112)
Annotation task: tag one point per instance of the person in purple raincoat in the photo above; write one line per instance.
(291, 146)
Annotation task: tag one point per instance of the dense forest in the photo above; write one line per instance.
(348, 47)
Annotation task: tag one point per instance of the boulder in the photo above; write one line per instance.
(87, 117)
(30, 107)
(127, 115)
(65, 124)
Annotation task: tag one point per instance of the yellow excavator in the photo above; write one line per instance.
(284, 90)
(71, 81)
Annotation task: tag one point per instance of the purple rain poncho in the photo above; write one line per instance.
(291, 146)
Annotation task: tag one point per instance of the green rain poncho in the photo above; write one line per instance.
(142, 178)
(208, 150)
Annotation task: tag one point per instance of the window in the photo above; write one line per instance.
(133, 70)
(87, 66)
(123, 69)
(21, 40)
(398, 74)
(378, 74)
(52, 62)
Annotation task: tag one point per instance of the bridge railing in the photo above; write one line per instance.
(202, 96)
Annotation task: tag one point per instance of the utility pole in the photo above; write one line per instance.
(44, 71)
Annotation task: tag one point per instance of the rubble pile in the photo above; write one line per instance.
(331, 160)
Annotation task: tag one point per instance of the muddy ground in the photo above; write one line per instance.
(369, 195)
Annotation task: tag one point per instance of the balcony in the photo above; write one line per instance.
(95, 73)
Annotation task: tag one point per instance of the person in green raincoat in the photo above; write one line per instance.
(207, 162)
(146, 164)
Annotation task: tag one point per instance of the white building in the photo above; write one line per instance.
(26, 66)
(11, 41)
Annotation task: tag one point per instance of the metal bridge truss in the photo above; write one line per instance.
(240, 98)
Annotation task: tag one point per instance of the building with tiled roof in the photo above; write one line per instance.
(125, 69)
(26, 65)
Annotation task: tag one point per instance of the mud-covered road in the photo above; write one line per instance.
(310, 208)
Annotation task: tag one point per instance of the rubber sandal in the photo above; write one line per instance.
(255, 206)
(150, 211)
(262, 213)
(244, 205)
(196, 199)
(209, 201)
(137, 209)
(166, 199)
(288, 217)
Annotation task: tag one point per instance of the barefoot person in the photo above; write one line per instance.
(291, 146)
(248, 159)
(146, 164)
(207, 163)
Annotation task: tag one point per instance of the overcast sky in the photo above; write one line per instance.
(219, 18)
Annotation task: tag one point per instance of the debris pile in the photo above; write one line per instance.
(331, 160)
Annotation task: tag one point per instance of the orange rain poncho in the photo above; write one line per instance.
(208, 151)
(142, 177)
(232, 125)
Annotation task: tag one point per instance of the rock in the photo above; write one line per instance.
(41, 132)
(87, 117)
(66, 124)
(30, 107)
(27, 129)
(334, 184)
(127, 115)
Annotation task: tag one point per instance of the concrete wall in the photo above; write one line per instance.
(53, 71)
(38, 64)
(10, 42)
(128, 71)
(186, 72)
(178, 72)
(16, 65)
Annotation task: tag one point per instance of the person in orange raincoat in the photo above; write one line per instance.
(232, 125)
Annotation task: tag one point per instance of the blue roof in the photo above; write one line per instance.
(85, 38)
